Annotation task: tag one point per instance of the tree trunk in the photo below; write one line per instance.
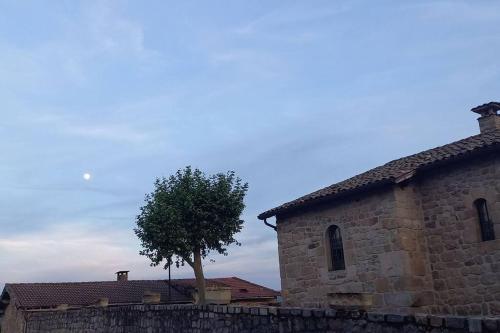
(200, 279)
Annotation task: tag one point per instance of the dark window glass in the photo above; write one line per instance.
(336, 248)
(487, 230)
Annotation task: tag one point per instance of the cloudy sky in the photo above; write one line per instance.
(292, 95)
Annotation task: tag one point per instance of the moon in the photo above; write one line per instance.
(87, 176)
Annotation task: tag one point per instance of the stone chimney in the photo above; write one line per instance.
(490, 119)
(122, 276)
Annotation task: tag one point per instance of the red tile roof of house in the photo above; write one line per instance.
(49, 295)
(240, 289)
(395, 171)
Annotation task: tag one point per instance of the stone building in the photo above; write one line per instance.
(418, 234)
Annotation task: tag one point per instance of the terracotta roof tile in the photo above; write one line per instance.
(49, 295)
(395, 171)
(240, 289)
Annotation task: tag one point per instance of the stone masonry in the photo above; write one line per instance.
(409, 248)
(229, 319)
(465, 270)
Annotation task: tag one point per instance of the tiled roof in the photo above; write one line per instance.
(240, 289)
(49, 295)
(396, 171)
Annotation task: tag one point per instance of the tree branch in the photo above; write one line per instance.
(189, 261)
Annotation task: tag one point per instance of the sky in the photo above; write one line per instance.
(291, 95)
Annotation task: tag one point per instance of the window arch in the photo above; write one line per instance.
(487, 230)
(335, 248)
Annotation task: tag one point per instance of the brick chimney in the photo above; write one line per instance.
(490, 119)
(122, 276)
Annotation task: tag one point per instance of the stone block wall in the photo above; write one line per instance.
(229, 319)
(364, 224)
(385, 254)
(465, 269)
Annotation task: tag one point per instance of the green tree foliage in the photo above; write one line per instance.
(188, 215)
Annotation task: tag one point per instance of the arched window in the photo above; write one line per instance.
(487, 230)
(337, 261)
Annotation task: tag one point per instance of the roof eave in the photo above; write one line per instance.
(402, 179)
(326, 198)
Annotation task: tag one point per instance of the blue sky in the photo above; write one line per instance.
(292, 95)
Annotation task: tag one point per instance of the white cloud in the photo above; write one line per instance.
(68, 252)
(291, 15)
(457, 11)
(79, 252)
(110, 31)
(111, 130)
(250, 63)
(98, 33)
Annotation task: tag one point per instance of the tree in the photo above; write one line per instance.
(187, 216)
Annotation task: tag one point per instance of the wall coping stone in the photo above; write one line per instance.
(455, 322)
(443, 322)
(491, 324)
(436, 321)
(475, 325)
(355, 314)
(263, 311)
(318, 313)
(375, 317)
(395, 318)
(332, 313)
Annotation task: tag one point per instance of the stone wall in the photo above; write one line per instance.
(229, 319)
(466, 270)
(384, 254)
(12, 320)
(412, 247)
(305, 277)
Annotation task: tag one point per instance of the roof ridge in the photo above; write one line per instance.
(106, 281)
(440, 146)
(47, 294)
(80, 282)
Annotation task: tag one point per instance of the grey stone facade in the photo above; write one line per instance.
(229, 319)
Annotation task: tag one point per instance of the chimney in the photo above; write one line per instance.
(490, 119)
(122, 276)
